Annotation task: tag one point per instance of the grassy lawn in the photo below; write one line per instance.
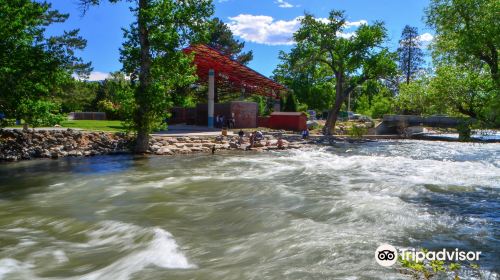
(111, 126)
(95, 125)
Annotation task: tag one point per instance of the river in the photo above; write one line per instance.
(316, 213)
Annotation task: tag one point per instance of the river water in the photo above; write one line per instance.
(316, 213)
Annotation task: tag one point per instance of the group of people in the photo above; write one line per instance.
(221, 121)
(258, 136)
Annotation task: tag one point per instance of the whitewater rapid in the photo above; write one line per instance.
(319, 212)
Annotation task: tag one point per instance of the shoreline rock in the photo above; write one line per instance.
(17, 144)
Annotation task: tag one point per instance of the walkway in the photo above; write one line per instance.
(190, 130)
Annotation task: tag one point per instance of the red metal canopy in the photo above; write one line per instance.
(240, 76)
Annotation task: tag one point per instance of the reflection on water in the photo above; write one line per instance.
(316, 213)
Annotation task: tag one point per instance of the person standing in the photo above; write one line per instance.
(305, 134)
(223, 121)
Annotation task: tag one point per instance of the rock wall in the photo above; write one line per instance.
(16, 144)
(22, 145)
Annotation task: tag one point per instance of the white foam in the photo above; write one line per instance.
(9, 266)
(162, 251)
(60, 256)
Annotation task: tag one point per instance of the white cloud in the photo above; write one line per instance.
(266, 30)
(284, 4)
(98, 76)
(426, 37)
(349, 24)
(94, 76)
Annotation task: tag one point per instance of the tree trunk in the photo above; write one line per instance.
(141, 117)
(408, 66)
(334, 112)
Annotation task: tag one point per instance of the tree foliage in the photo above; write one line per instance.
(34, 67)
(353, 60)
(115, 97)
(467, 31)
(77, 96)
(463, 89)
(466, 55)
(290, 104)
(310, 83)
(410, 52)
(152, 56)
(222, 39)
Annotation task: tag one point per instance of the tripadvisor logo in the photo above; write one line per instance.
(387, 255)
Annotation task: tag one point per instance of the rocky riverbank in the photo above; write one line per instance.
(16, 144)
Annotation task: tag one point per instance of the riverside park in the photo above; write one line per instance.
(238, 139)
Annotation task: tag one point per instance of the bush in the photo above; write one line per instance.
(7, 122)
(464, 131)
(290, 104)
(109, 108)
(357, 131)
(41, 113)
(381, 106)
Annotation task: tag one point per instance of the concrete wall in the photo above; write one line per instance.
(245, 113)
(432, 121)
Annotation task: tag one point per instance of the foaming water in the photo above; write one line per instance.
(314, 213)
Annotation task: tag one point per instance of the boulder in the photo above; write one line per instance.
(164, 151)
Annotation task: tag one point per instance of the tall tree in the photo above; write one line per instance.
(464, 89)
(222, 39)
(467, 30)
(310, 83)
(152, 55)
(410, 52)
(33, 66)
(353, 59)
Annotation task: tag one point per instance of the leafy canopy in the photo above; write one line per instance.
(34, 67)
(222, 39)
(467, 31)
(152, 56)
(353, 60)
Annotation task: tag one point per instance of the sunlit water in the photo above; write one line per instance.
(317, 213)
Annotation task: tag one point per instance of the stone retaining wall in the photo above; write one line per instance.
(16, 144)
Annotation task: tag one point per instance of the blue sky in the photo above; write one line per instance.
(265, 25)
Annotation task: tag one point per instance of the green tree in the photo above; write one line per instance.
(416, 98)
(33, 67)
(465, 90)
(112, 94)
(410, 52)
(353, 60)
(467, 31)
(222, 39)
(375, 100)
(310, 83)
(290, 103)
(152, 56)
(40, 112)
(77, 96)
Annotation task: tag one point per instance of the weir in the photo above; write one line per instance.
(392, 123)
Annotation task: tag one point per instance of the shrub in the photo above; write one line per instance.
(357, 131)
(41, 113)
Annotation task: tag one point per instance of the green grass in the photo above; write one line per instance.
(115, 126)
(111, 126)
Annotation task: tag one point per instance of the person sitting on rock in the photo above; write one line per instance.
(258, 135)
(280, 143)
(252, 139)
(241, 134)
